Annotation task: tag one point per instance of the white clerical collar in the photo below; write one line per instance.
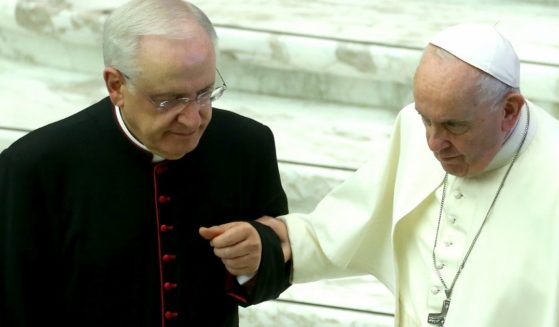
(131, 137)
(512, 142)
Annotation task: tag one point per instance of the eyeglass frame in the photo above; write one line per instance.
(161, 107)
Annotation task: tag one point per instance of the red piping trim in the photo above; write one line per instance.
(229, 289)
(157, 221)
(238, 297)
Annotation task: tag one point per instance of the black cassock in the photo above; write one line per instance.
(92, 233)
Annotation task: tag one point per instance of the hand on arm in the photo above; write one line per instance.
(280, 229)
(237, 244)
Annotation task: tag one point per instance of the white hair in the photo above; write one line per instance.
(492, 91)
(128, 23)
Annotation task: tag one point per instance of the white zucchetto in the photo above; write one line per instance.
(483, 47)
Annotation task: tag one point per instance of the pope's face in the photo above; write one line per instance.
(171, 68)
(463, 133)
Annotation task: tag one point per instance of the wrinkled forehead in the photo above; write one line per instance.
(443, 94)
(439, 78)
(162, 58)
(443, 115)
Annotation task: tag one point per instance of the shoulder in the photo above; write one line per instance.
(237, 127)
(232, 135)
(228, 120)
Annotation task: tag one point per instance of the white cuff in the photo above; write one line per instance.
(244, 278)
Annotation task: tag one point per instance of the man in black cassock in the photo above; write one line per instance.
(101, 213)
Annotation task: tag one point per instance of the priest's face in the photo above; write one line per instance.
(171, 69)
(463, 132)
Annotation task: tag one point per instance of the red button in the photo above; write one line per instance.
(169, 257)
(171, 314)
(169, 286)
(160, 169)
(166, 228)
(164, 199)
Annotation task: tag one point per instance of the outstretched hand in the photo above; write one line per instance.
(237, 244)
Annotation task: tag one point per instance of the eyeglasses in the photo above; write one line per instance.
(203, 99)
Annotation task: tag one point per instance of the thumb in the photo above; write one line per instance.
(209, 233)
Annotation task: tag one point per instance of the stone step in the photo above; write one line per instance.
(336, 292)
(365, 52)
(386, 23)
(334, 303)
(363, 74)
(361, 52)
(393, 24)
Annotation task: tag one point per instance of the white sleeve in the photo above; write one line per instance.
(350, 230)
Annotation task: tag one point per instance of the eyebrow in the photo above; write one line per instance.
(445, 121)
(207, 88)
(175, 94)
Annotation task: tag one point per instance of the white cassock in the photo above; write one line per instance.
(383, 222)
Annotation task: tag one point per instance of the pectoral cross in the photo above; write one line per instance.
(439, 318)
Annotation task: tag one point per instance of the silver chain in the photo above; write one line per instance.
(448, 290)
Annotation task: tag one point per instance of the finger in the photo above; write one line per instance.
(248, 262)
(246, 265)
(238, 250)
(240, 272)
(209, 233)
(234, 234)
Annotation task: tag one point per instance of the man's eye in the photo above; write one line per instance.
(161, 99)
(164, 103)
(457, 128)
(205, 92)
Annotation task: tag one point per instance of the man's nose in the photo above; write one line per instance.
(437, 138)
(190, 115)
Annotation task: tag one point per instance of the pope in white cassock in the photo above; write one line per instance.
(462, 221)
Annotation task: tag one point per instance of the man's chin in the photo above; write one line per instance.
(173, 156)
(176, 153)
(454, 169)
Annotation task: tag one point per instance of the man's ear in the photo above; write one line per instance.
(511, 111)
(114, 82)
